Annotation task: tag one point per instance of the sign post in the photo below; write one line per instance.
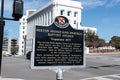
(59, 74)
(58, 47)
(17, 9)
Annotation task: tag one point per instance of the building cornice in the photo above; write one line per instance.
(46, 6)
(67, 3)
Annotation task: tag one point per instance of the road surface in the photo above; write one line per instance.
(98, 67)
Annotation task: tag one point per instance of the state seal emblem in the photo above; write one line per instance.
(61, 22)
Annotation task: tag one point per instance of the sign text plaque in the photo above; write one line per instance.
(56, 46)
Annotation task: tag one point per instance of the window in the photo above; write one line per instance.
(74, 21)
(68, 13)
(23, 19)
(23, 27)
(75, 14)
(23, 37)
(22, 42)
(62, 12)
(22, 51)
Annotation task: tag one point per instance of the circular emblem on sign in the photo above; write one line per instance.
(61, 21)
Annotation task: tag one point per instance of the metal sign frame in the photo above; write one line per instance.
(56, 66)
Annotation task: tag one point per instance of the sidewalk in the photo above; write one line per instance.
(10, 79)
(105, 53)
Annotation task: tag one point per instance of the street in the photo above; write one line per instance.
(98, 67)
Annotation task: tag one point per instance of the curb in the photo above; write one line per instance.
(10, 79)
(105, 53)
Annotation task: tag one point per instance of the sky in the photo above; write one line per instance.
(101, 14)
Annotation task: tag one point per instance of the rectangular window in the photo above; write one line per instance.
(22, 51)
(75, 14)
(22, 42)
(23, 27)
(62, 12)
(75, 22)
(68, 13)
(23, 19)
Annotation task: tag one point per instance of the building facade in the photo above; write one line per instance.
(91, 29)
(23, 32)
(8, 44)
(45, 16)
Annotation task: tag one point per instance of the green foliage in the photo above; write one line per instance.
(91, 36)
(14, 50)
(14, 46)
(115, 41)
(92, 40)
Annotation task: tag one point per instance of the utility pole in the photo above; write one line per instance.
(17, 14)
(2, 23)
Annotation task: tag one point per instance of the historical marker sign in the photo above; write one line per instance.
(58, 45)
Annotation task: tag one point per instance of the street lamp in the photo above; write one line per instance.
(17, 14)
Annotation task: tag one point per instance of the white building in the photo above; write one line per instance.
(7, 45)
(46, 15)
(23, 32)
(92, 29)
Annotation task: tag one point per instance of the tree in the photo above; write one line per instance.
(14, 46)
(101, 43)
(14, 50)
(115, 42)
(91, 39)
